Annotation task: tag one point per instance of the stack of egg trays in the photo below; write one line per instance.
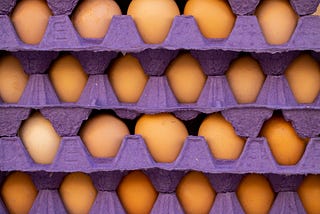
(214, 56)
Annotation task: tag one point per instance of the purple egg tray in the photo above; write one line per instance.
(48, 199)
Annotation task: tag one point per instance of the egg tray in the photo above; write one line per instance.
(165, 182)
(123, 36)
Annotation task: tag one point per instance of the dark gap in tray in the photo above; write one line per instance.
(194, 124)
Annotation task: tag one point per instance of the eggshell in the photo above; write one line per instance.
(277, 20)
(186, 78)
(93, 17)
(163, 134)
(195, 193)
(40, 139)
(18, 193)
(127, 78)
(285, 144)
(77, 193)
(137, 193)
(245, 78)
(153, 18)
(221, 137)
(255, 194)
(214, 17)
(68, 78)
(303, 76)
(103, 134)
(13, 79)
(30, 19)
(317, 13)
(309, 193)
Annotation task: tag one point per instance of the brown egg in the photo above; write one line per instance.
(40, 139)
(255, 194)
(285, 144)
(277, 20)
(30, 19)
(303, 76)
(317, 13)
(214, 17)
(103, 135)
(137, 193)
(186, 78)
(68, 78)
(127, 78)
(309, 193)
(93, 17)
(164, 135)
(13, 79)
(153, 18)
(77, 193)
(195, 193)
(245, 78)
(18, 193)
(221, 137)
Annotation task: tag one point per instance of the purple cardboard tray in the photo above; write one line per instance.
(165, 182)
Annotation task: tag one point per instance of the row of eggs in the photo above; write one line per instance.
(153, 18)
(185, 77)
(164, 136)
(138, 195)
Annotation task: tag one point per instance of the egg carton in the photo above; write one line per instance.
(157, 96)
(165, 182)
(184, 33)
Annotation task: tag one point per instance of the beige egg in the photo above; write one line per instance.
(285, 144)
(30, 19)
(68, 78)
(153, 18)
(18, 193)
(93, 17)
(13, 79)
(40, 138)
(214, 17)
(103, 135)
(77, 193)
(245, 78)
(303, 76)
(163, 134)
(221, 137)
(186, 78)
(195, 193)
(309, 193)
(255, 194)
(127, 78)
(277, 20)
(137, 193)
(317, 13)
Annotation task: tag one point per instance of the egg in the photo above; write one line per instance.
(137, 193)
(214, 17)
(186, 78)
(255, 194)
(285, 144)
(245, 78)
(77, 193)
(13, 79)
(309, 193)
(39, 138)
(30, 19)
(195, 193)
(18, 193)
(317, 13)
(93, 17)
(277, 20)
(303, 76)
(103, 135)
(68, 78)
(221, 137)
(163, 134)
(127, 78)
(153, 18)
